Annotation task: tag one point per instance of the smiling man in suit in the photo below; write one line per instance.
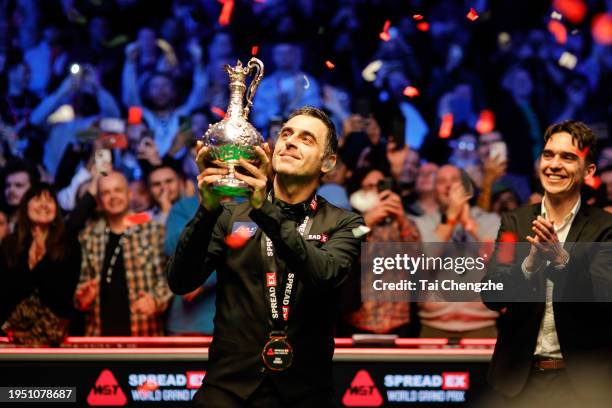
(555, 349)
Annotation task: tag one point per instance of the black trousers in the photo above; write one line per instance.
(551, 389)
(265, 396)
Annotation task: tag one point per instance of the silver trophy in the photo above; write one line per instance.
(234, 137)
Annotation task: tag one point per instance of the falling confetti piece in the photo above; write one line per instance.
(237, 239)
(134, 115)
(446, 127)
(417, 17)
(573, 10)
(330, 64)
(601, 28)
(583, 153)
(411, 91)
(307, 82)
(369, 72)
(360, 231)
(593, 181)
(507, 247)
(556, 15)
(254, 50)
(568, 60)
(558, 30)
(385, 36)
(226, 12)
(423, 26)
(504, 40)
(472, 15)
(486, 122)
(139, 218)
(217, 111)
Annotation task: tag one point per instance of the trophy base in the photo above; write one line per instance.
(231, 187)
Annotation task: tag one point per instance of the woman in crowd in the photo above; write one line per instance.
(40, 264)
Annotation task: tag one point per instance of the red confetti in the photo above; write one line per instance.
(508, 236)
(226, 12)
(506, 247)
(254, 50)
(583, 153)
(411, 91)
(139, 218)
(593, 181)
(423, 26)
(217, 111)
(134, 115)
(384, 35)
(446, 127)
(601, 28)
(472, 15)
(557, 29)
(148, 386)
(486, 122)
(330, 64)
(417, 17)
(237, 239)
(573, 10)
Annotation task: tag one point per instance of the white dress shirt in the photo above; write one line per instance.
(548, 343)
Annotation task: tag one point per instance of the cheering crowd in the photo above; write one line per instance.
(102, 103)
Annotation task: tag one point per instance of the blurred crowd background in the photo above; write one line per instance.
(424, 95)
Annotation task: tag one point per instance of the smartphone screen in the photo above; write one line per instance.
(498, 151)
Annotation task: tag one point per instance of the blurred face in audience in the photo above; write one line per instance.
(562, 169)
(220, 46)
(447, 176)
(161, 91)
(140, 198)
(165, 181)
(113, 194)
(426, 177)
(42, 209)
(199, 124)
(506, 201)
(286, 57)
(15, 187)
(146, 39)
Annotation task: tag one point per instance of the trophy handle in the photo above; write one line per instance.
(254, 65)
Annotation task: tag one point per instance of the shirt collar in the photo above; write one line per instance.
(568, 218)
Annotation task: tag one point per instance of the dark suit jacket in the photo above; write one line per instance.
(581, 304)
(242, 323)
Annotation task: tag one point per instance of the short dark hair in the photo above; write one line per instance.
(22, 166)
(163, 165)
(332, 139)
(581, 134)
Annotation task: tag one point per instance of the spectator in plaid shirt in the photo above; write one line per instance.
(122, 284)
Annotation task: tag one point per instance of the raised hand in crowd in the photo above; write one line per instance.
(389, 206)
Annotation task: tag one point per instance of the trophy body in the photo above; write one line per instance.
(234, 137)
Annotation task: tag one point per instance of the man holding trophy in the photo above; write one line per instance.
(280, 257)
